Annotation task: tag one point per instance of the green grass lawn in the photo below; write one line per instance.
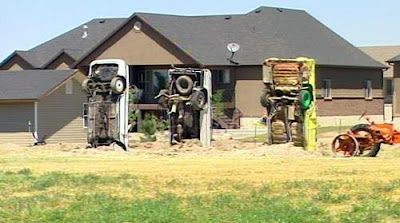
(64, 187)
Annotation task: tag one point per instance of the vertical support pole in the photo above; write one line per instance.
(206, 114)
(36, 121)
(310, 120)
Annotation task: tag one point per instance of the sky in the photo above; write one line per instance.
(27, 23)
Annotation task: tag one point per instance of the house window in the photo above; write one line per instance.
(160, 80)
(368, 89)
(68, 87)
(85, 115)
(327, 89)
(389, 87)
(224, 76)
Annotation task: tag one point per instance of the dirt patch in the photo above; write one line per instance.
(221, 147)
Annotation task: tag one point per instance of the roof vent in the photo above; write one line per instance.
(228, 17)
(257, 11)
(102, 21)
(85, 33)
(279, 9)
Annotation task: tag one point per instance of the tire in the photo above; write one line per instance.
(367, 128)
(198, 100)
(297, 134)
(361, 127)
(87, 85)
(278, 133)
(118, 85)
(351, 147)
(184, 85)
(374, 151)
(265, 102)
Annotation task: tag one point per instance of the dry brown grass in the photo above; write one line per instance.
(336, 185)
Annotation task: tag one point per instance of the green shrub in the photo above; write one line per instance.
(149, 128)
(162, 124)
(218, 104)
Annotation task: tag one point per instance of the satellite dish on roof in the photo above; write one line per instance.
(233, 47)
(85, 33)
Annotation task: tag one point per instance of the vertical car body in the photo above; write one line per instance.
(188, 100)
(289, 99)
(107, 87)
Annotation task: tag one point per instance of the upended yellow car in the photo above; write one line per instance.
(289, 99)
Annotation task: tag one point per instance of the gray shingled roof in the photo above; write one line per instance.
(262, 33)
(30, 84)
(394, 59)
(71, 42)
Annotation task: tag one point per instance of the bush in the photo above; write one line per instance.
(218, 102)
(162, 124)
(149, 128)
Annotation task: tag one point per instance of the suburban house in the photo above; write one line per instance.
(41, 104)
(349, 81)
(395, 63)
(383, 54)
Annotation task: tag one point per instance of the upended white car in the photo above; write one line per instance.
(107, 88)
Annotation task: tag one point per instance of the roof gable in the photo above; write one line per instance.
(66, 56)
(137, 47)
(17, 57)
(71, 42)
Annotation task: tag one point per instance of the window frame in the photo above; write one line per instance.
(85, 117)
(327, 89)
(368, 90)
(388, 87)
(224, 76)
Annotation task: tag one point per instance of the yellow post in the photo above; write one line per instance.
(310, 117)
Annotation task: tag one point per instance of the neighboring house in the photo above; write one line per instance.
(44, 103)
(395, 63)
(383, 54)
(348, 81)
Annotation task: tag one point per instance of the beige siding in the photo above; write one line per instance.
(19, 138)
(144, 47)
(60, 116)
(62, 62)
(14, 119)
(248, 89)
(15, 67)
(62, 65)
